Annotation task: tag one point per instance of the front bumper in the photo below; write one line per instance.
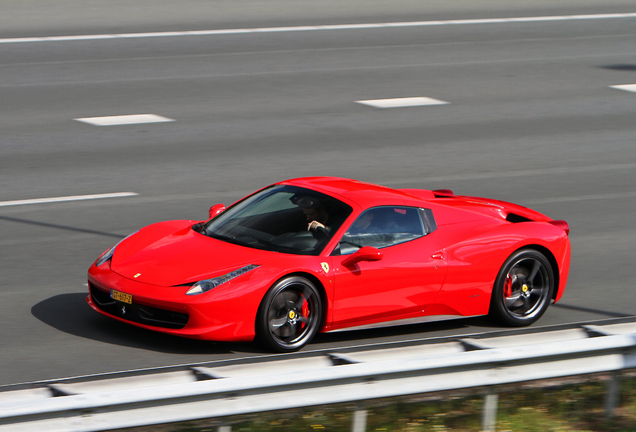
(226, 314)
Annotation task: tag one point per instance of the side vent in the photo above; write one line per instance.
(515, 218)
(443, 193)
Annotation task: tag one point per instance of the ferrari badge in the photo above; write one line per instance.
(325, 267)
(137, 275)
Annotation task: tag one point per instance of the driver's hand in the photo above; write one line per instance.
(315, 225)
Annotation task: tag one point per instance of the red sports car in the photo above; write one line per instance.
(322, 254)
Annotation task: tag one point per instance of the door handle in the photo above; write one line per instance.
(438, 255)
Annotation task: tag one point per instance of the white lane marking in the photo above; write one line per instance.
(124, 120)
(626, 87)
(66, 198)
(316, 28)
(402, 102)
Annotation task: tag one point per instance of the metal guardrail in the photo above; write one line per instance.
(210, 392)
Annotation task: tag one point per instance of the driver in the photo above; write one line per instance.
(316, 214)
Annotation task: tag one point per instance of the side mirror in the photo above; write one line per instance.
(215, 210)
(366, 253)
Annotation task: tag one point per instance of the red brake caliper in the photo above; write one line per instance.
(305, 311)
(508, 286)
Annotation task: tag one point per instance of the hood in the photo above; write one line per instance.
(171, 253)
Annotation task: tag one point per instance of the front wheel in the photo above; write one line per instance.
(523, 289)
(290, 314)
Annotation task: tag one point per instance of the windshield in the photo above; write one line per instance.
(278, 218)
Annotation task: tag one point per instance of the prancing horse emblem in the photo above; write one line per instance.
(325, 267)
(137, 275)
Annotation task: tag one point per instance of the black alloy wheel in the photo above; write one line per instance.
(523, 289)
(290, 314)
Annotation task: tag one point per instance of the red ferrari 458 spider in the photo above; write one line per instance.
(322, 254)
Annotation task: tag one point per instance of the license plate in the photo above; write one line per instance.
(120, 296)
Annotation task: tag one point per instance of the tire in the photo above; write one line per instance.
(523, 289)
(290, 315)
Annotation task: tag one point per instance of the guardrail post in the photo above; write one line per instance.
(489, 414)
(359, 421)
(612, 394)
(224, 429)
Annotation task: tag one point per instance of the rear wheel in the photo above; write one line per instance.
(290, 314)
(523, 289)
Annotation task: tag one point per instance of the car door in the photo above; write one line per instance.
(392, 270)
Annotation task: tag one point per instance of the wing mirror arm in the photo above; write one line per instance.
(215, 210)
(366, 253)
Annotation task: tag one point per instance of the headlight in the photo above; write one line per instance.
(109, 253)
(105, 256)
(206, 285)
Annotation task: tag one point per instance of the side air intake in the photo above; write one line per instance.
(443, 193)
(515, 218)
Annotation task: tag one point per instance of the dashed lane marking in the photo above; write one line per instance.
(124, 120)
(317, 28)
(66, 198)
(626, 87)
(402, 102)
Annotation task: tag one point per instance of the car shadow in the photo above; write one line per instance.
(401, 332)
(70, 314)
(474, 327)
(629, 67)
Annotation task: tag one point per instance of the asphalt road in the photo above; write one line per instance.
(531, 118)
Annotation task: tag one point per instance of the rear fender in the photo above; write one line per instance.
(473, 264)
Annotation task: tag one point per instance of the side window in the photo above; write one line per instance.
(382, 227)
